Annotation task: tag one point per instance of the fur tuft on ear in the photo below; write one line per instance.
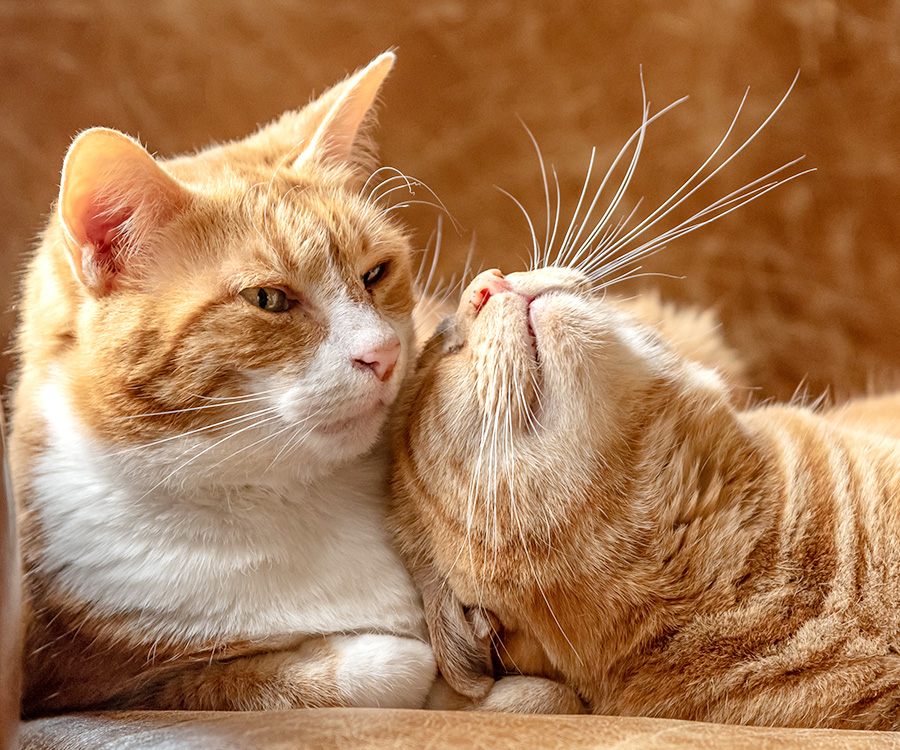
(334, 139)
(113, 196)
(330, 131)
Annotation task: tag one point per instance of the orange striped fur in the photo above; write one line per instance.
(209, 347)
(566, 475)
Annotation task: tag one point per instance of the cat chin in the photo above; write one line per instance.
(586, 354)
(349, 429)
(345, 440)
(528, 361)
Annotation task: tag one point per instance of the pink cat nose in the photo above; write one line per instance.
(487, 284)
(381, 360)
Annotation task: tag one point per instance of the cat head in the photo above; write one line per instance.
(527, 406)
(245, 302)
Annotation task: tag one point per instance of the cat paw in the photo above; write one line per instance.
(383, 671)
(531, 695)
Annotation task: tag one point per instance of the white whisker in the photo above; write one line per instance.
(271, 436)
(535, 245)
(228, 398)
(398, 175)
(671, 203)
(203, 452)
(549, 249)
(568, 257)
(196, 431)
(546, 188)
(438, 234)
(638, 133)
(730, 203)
(409, 185)
(222, 404)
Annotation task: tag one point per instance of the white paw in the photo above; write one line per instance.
(383, 671)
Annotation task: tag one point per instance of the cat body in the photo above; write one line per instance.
(572, 490)
(209, 348)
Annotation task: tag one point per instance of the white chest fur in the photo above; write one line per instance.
(219, 561)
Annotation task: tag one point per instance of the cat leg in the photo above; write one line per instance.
(338, 670)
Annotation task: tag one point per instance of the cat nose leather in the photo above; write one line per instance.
(487, 284)
(381, 360)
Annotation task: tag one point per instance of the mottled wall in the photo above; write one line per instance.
(805, 279)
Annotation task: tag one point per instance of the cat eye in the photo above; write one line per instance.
(374, 275)
(267, 298)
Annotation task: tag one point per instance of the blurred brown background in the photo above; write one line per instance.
(806, 279)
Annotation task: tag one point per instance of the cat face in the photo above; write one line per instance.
(246, 304)
(526, 404)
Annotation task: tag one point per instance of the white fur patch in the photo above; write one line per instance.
(383, 671)
(193, 560)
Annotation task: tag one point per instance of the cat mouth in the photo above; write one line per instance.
(535, 289)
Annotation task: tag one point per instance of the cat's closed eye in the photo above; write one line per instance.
(268, 298)
(375, 274)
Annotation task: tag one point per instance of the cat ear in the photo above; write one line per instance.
(334, 138)
(330, 130)
(113, 196)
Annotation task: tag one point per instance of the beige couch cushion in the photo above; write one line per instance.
(363, 729)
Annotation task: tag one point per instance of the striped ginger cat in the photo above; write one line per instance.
(209, 346)
(595, 524)
(578, 492)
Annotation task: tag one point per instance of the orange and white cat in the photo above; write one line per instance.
(571, 487)
(208, 350)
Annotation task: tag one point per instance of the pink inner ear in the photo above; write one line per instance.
(103, 231)
(98, 232)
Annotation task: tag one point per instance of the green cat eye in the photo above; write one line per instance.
(267, 298)
(374, 275)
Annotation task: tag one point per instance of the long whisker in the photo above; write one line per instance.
(540, 157)
(397, 175)
(587, 179)
(671, 203)
(410, 183)
(536, 248)
(206, 450)
(228, 398)
(568, 239)
(633, 274)
(271, 436)
(408, 203)
(435, 255)
(196, 431)
(301, 432)
(405, 187)
(623, 186)
(723, 207)
(234, 401)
